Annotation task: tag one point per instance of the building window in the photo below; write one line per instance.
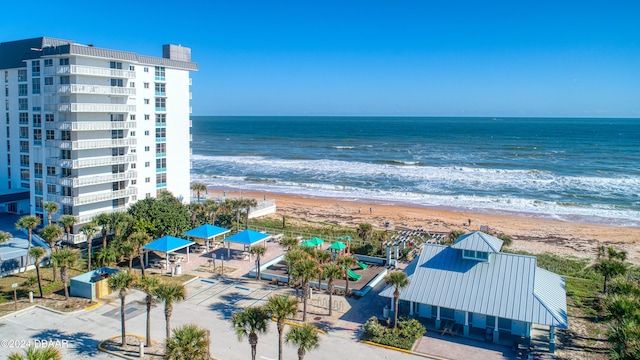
(146, 133)
(65, 154)
(35, 85)
(65, 135)
(24, 160)
(24, 185)
(23, 90)
(133, 165)
(35, 68)
(51, 170)
(48, 62)
(161, 148)
(67, 209)
(66, 172)
(51, 189)
(147, 164)
(118, 203)
(132, 68)
(134, 181)
(64, 61)
(24, 146)
(115, 169)
(146, 85)
(115, 65)
(117, 82)
(132, 84)
(159, 73)
(161, 103)
(132, 117)
(146, 69)
(160, 88)
(6, 76)
(118, 185)
(161, 119)
(22, 75)
(48, 80)
(161, 132)
(37, 170)
(147, 116)
(117, 151)
(65, 80)
(147, 180)
(117, 134)
(48, 117)
(161, 179)
(25, 174)
(38, 186)
(132, 133)
(146, 148)
(23, 118)
(23, 104)
(146, 101)
(117, 117)
(161, 163)
(66, 191)
(37, 136)
(37, 120)
(51, 135)
(24, 132)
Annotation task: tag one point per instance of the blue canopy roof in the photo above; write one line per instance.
(168, 244)
(247, 237)
(206, 231)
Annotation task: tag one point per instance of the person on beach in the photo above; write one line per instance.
(370, 211)
(359, 210)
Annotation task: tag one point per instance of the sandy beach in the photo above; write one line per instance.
(529, 234)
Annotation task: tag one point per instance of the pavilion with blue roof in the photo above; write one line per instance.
(247, 238)
(206, 232)
(166, 245)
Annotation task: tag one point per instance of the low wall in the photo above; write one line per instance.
(371, 284)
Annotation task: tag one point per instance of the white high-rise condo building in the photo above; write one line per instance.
(92, 129)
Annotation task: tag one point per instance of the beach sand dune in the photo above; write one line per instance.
(529, 234)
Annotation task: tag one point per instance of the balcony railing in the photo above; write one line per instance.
(97, 179)
(92, 144)
(85, 218)
(102, 161)
(90, 107)
(91, 125)
(89, 70)
(94, 198)
(96, 89)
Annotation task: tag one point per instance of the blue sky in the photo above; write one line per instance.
(415, 58)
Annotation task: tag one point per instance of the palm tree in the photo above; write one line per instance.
(50, 234)
(28, 222)
(119, 222)
(332, 272)
(258, 251)
(198, 187)
(189, 342)
(65, 259)
(247, 204)
(33, 353)
(346, 261)
(170, 293)
(37, 253)
(305, 270)
(67, 222)
(104, 221)
(305, 338)
(89, 230)
(321, 257)
(139, 240)
(291, 258)
(148, 285)
(281, 307)
(108, 256)
(122, 281)
(211, 209)
(610, 263)
(289, 243)
(4, 237)
(51, 208)
(235, 205)
(248, 323)
(129, 250)
(399, 280)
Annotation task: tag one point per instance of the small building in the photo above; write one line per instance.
(474, 285)
(93, 284)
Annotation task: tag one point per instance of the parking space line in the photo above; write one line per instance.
(230, 286)
(201, 291)
(263, 296)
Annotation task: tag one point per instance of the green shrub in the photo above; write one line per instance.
(403, 337)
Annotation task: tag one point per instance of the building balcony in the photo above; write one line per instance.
(89, 70)
(90, 107)
(96, 89)
(91, 162)
(97, 179)
(92, 198)
(91, 144)
(91, 125)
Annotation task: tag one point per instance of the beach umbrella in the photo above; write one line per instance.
(338, 246)
(307, 243)
(316, 241)
(347, 238)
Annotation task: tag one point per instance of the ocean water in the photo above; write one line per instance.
(584, 170)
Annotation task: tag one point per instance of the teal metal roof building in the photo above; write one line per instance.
(476, 286)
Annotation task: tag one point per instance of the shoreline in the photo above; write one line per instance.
(531, 234)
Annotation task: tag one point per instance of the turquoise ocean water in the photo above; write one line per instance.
(585, 170)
